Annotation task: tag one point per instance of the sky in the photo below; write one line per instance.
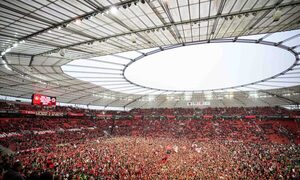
(209, 66)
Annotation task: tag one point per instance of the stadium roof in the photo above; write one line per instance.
(38, 38)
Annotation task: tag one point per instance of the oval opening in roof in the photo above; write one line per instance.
(209, 66)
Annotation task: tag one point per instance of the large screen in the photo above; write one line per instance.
(39, 99)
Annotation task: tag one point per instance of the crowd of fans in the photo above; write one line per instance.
(152, 148)
(161, 158)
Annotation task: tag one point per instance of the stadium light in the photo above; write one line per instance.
(113, 10)
(277, 15)
(78, 21)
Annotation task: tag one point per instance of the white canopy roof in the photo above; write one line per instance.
(38, 37)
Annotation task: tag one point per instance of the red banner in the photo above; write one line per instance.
(250, 117)
(170, 117)
(137, 116)
(75, 114)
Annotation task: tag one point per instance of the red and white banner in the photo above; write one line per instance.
(27, 112)
(49, 113)
(32, 149)
(104, 115)
(43, 113)
(44, 132)
(11, 134)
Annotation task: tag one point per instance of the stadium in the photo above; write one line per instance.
(149, 89)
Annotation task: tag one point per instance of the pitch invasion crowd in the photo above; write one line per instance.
(160, 158)
(152, 149)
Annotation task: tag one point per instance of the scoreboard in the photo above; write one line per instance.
(43, 100)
